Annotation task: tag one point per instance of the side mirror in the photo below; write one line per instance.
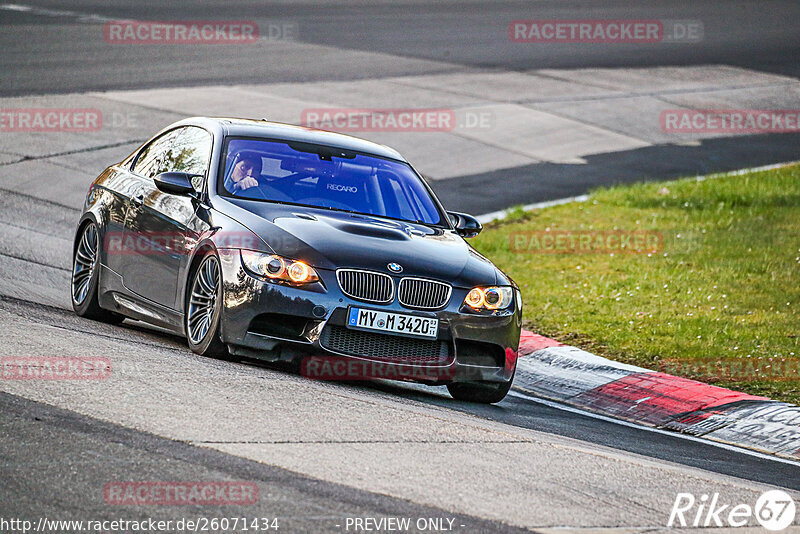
(175, 183)
(466, 225)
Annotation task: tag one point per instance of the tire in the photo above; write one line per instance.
(85, 274)
(203, 309)
(481, 392)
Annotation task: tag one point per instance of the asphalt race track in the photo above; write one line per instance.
(437, 36)
(321, 453)
(544, 101)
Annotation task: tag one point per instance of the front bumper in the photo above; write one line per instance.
(274, 321)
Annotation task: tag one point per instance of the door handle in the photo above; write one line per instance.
(138, 199)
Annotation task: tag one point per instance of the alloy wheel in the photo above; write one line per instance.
(85, 263)
(203, 300)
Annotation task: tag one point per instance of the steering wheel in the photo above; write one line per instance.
(266, 192)
(273, 193)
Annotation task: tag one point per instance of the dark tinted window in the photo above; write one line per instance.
(184, 149)
(326, 177)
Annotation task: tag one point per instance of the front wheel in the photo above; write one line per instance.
(481, 392)
(85, 274)
(203, 309)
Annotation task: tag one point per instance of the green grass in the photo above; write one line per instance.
(725, 286)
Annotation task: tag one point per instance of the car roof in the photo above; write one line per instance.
(229, 126)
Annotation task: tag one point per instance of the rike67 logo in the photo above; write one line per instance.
(774, 510)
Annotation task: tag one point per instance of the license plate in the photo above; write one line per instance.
(393, 322)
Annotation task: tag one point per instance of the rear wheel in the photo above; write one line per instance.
(85, 273)
(203, 309)
(482, 392)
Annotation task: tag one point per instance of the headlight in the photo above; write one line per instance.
(489, 298)
(278, 268)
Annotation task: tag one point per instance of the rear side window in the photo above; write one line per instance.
(185, 149)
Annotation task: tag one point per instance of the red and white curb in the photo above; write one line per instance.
(569, 375)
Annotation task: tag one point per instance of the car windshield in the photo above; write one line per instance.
(326, 177)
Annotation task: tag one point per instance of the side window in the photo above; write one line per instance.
(184, 149)
(190, 153)
(153, 157)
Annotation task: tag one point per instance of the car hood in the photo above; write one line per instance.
(329, 239)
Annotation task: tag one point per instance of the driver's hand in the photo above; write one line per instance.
(247, 183)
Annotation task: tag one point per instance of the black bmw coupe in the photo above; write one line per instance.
(263, 240)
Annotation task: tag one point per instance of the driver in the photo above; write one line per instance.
(245, 173)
